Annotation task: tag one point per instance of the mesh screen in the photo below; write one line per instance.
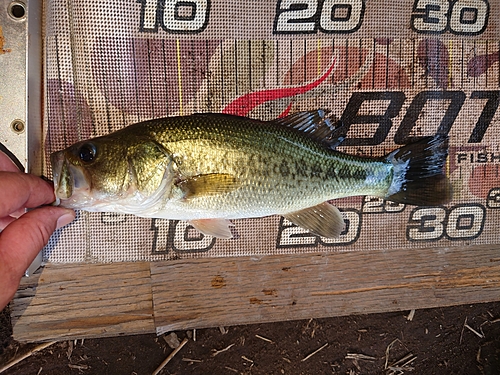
(398, 76)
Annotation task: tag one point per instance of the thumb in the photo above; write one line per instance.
(23, 239)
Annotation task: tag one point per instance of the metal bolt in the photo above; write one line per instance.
(17, 126)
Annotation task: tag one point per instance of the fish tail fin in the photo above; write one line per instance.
(419, 177)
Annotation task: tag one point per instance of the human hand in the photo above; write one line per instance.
(23, 235)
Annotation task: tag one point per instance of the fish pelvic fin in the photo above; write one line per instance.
(219, 228)
(323, 220)
(419, 175)
(316, 125)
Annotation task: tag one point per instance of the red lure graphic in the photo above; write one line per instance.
(246, 103)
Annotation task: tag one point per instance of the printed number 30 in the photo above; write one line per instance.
(465, 17)
(461, 222)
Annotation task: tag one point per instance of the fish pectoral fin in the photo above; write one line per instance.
(324, 220)
(219, 228)
(208, 184)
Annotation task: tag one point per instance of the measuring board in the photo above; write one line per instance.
(391, 71)
(424, 67)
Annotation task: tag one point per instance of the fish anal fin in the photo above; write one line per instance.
(316, 125)
(208, 184)
(323, 219)
(219, 228)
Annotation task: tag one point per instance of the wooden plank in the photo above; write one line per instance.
(84, 300)
(228, 291)
(70, 301)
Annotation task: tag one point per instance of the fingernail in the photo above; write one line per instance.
(65, 219)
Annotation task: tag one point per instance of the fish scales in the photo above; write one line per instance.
(279, 172)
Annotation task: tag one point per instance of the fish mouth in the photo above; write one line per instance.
(68, 180)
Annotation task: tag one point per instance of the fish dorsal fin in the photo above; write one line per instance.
(208, 184)
(316, 125)
(324, 220)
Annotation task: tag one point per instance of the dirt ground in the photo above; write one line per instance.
(452, 340)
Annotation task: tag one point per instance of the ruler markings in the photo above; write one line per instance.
(374, 73)
(290, 70)
(236, 67)
(150, 78)
(165, 75)
(49, 110)
(179, 76)
(486, 57)
(62, 106)
(136, 84)
(223, 102)
(277, 54)
(450, 63)
(208, 77)
(400, 70)
(360, 54)
(195, 70)
(334, 70)
(304, 59)
(474, 56)
(106, 106)
(249, 43)
(462, 65)
(305, 50)
(413, 65)
(318, 58)
(122, 94)
(264, 66)
(346, 67)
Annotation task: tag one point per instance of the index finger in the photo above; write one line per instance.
(18, 190)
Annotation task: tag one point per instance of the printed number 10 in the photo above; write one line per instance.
(175, 16)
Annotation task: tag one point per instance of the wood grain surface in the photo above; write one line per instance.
(84, 300)
(212, 292)
(90, 300)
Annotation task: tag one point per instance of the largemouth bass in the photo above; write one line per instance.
(210, 168)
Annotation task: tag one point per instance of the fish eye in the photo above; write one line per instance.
(87, 152)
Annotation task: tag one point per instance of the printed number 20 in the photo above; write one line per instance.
(465, 17)
(329, 16)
